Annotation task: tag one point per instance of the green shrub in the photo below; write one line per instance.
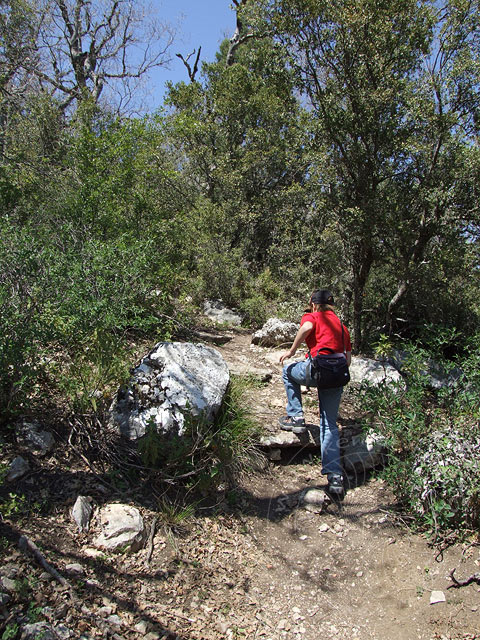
(434, 439)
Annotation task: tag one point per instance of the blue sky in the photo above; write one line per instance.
(198, 23)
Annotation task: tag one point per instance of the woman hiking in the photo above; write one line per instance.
(322, 331)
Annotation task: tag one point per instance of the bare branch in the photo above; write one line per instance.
(191, 72)
(463, 583)
(86, 47)
(238, 37)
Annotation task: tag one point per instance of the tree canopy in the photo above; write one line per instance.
(329, 144)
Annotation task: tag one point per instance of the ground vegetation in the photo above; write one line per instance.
(328, 145)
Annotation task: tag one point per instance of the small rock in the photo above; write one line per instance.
(8, 584)
(9, 571)
(437, 596)
(82, 512)
(313, 500)
(122, 528)
(93, 553)
(38, 630)
(31, 436)
(18, 468)
(63, 632)
(115, 620)
(4, 599)
(223, 627)
(141, 627)
(323, 528)
(75, 569)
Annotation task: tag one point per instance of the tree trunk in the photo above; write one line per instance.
(393, 304)
(362, 268)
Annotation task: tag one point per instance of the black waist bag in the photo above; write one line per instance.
(329, 370)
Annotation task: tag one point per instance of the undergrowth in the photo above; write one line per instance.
(207, 454)
(430, 421)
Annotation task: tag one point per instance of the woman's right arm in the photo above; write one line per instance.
(302, 333)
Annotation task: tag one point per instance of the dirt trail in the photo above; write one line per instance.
(349, 573)
(260, 567)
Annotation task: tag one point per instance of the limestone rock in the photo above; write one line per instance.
(7, 584)
(82, 512)
(437, 596)
(283, 439)
(18, 468)
(122, 527)
(219, 313)
(174, 379)
(373, 371)
(76, 570)
(275, 332)
(34, 438)
(437, 377)
(314, 500)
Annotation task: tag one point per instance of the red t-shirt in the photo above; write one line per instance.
(326, 332)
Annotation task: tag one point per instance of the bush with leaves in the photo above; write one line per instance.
(433, 437)
(90, 253)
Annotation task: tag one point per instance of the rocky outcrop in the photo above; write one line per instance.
(436, 376)
(173, 380)
(275, 332)
(372, 371)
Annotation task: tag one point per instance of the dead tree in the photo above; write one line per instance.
(88, 46)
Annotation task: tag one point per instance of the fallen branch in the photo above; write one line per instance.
(30, 548)
(150, 540)
(463, 583)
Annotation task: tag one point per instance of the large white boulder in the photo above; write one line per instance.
(275, 332)
(173, 380)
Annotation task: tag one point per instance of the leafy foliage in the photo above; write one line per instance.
(433, 436)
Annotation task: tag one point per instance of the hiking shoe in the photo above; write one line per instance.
(335, 488)
(295, 424)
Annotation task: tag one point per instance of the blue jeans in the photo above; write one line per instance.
(294, 375)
